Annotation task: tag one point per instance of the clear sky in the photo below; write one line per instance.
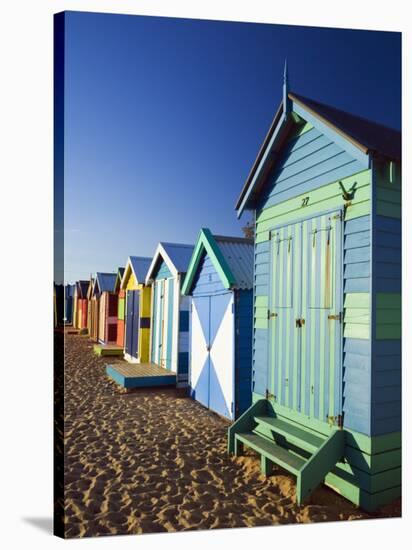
(164, 118)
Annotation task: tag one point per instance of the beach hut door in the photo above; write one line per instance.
(212, 352)
(304, 316)
(132, 322)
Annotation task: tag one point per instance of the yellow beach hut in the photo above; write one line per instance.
(137, 309)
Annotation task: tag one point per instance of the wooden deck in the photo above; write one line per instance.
(141, 375)
(103, 349)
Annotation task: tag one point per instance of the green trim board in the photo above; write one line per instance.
(360, 180)
(120, 309)
(356, 315)
(206, 244)
(388, 316)
(365, 500)
(261, 312)
(388, 181)
(326, 198)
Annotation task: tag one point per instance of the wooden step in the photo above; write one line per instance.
(273, 452)
(293, 434)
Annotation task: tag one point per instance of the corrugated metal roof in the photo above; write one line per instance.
(238, 253)
(106, 281)
(179, 254)
(140, 265)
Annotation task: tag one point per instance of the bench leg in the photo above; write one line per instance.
(238, 447)
(265, 465)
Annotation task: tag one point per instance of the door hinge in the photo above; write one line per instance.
(337, 317)
(337, 216)
(271, 314)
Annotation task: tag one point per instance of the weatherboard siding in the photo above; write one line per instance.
(207, 281)
(307, 162)
(183, 337)
(321, 199)
(243, 350)
(163, 272)
(387, 283)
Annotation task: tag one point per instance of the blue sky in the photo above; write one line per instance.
(164, 118)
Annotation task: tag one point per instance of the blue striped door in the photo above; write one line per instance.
(129, 322)
(321, 383)
(306, 284)
(136, 322)
(285, 306)
(161, 327)
(169, 320)
(132, 322)
(154, 322)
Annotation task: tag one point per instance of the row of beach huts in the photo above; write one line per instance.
(152, 311)
(294, 335)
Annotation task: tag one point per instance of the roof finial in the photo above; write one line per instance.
(286, 101)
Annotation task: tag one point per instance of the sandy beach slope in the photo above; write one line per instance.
(148, 461)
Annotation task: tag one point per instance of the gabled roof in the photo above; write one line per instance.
(138, 265)
(119, 276)
(105, 281)
(232, 257)
(370, 138)
(176, 257)
(366, 134)
(82, 288)
(95, 287)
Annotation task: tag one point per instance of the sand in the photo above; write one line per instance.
(147, 461)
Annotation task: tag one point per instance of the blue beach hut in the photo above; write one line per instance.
(220, 281)
(170, 310)
(325, 191)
